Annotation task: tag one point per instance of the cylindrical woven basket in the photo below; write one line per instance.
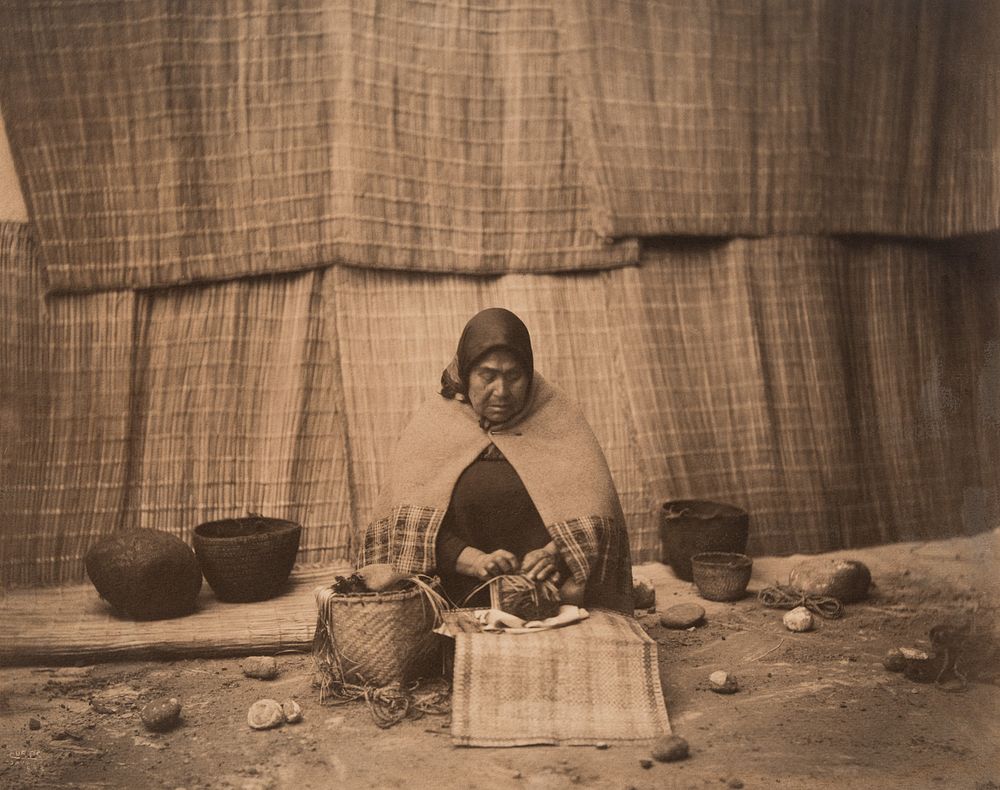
(721, 575)
(374, 639)
(693, 526)
(246, 559)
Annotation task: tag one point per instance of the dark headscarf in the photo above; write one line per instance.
(486, 331)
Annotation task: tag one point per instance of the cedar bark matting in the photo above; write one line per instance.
(843, 391)
(160, 143)
(67, 624)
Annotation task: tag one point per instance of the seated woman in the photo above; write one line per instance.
(501, 474)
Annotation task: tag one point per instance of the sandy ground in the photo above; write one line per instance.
(815, 710)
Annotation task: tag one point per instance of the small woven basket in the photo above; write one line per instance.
(374, 639)
(721, 575)
(246, 559)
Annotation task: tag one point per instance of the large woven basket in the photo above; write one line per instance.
(246, 559)
(693, 526)
(375, 639)
(721, 575)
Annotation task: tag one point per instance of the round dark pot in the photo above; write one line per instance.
(693, 526)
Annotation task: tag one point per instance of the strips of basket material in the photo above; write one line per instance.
(397, 332)
(71, 623)
(830, 388)
(237, 408)
(161, 144)
(736, 117)
(65, 377)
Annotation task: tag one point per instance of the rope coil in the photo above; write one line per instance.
(782, 596)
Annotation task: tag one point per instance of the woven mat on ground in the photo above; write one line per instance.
(583, 684)
(60, 624)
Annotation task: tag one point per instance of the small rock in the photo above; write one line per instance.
(799, 619)
(894, 660)
(34, 724)
(161, 714)
(265, 714)
(723, 683)
(683, 615)
(645, 762)
(670, 748)
(260, 667)
(643, 592)
(64, 735)
(516, 774)
(736, 784)
(912, 654)
(292, 711)
(601, 745)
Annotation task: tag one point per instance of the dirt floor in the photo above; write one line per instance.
(814, 710)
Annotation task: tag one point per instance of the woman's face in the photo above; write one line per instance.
(498, 386)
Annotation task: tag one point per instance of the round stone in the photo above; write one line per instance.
(292, 711)
(161, 714)
(799, 619)
(723, 683)
(683, 615)
(845, 580)
(261, 667)
(670, 749)
(265, 714)
(894, 660)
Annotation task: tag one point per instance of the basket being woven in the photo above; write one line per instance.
(721, 575)
(374, 639)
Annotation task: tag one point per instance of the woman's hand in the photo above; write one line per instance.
(540, 564)
(495, 563)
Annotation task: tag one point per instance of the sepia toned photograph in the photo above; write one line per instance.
(500, 394)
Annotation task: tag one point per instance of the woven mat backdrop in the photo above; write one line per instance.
(275, 136)
(846, 392)
(751, 117)
(164, 143)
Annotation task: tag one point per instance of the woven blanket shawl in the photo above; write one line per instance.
(583, 684)
(557, 458)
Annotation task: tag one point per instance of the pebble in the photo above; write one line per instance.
(292, 711)
(683, 615)
(265, 714)
(736, 784)
(601, 745)
(723, 683)
(260, 667)
(799, 619)
(34, 724)
(161, 714)
(670, 748)
(645, 762)
(912, 654)
(516, 774)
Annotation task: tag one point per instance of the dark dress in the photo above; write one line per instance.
(490, 509)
